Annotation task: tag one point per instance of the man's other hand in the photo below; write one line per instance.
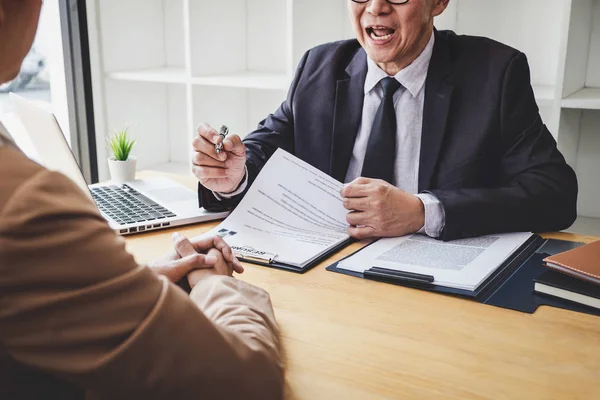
(378, 209)
(221, 267)
(214, 246)
(221, 172)
(197, 254)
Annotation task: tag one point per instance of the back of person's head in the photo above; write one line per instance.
(18, 23)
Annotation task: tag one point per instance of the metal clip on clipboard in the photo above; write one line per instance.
(250, 254)
(376, 273)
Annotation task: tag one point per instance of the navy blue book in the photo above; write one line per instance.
(566, 287)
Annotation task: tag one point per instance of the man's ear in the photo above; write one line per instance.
(440, 6)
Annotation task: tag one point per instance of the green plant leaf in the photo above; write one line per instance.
(120, 144)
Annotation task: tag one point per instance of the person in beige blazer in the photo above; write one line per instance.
(80, 319)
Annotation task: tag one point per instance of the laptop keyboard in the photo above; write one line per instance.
(125, 205)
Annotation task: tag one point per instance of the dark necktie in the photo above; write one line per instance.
(381, 150)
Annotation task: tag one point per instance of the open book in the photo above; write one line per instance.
(291, 217)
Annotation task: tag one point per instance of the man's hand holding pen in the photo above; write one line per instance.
(221, 171)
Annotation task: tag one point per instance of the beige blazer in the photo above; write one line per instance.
(79, 318)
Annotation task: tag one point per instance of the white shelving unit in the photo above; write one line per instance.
(156, 75)
(163, 66)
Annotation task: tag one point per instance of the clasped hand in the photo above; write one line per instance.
(378, 209)
(196, 259)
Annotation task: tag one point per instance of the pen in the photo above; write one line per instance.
(222, 134)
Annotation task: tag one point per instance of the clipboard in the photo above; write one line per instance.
(270, 259)
(510, 286)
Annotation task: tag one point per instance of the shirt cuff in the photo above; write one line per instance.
(240, 189)
(435, 216)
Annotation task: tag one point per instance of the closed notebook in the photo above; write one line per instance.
(567, 287)
(582, 263)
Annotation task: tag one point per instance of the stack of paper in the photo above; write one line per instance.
(460, 264)
(292, 214)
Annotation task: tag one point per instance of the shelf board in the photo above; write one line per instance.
(253, 80)
(586, 98)
(544, 95)
(247, 79)
(158, 75)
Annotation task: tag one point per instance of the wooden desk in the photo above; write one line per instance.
(349, 338)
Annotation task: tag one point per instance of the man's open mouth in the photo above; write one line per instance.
(380, 33)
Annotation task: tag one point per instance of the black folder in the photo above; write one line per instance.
(510, 286)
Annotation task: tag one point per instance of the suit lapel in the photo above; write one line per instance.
(349, 98)
(438, 96)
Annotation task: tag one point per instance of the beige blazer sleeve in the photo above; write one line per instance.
(75, 304)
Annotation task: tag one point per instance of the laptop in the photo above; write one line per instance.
(130, 207)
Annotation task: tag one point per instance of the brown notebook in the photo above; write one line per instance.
(582, 262)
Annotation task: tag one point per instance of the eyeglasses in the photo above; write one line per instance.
(395, 2)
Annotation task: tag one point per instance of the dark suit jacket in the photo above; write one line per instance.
(485, 152)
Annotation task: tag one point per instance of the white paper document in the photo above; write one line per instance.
(292, 214)
(460, 264)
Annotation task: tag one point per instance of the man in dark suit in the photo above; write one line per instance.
(435, 133)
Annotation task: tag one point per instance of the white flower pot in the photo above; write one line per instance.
(122, 171)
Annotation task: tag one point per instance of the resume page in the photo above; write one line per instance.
(292, 213)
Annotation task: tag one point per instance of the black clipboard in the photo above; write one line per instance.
(510, 286)
(306, 267)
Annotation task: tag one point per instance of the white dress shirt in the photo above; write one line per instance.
(408, 102)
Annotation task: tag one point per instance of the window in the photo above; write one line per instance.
(42, 75)
(53, 76)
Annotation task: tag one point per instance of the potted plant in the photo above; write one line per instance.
(121, 165)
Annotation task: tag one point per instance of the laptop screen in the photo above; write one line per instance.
(46, 140)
